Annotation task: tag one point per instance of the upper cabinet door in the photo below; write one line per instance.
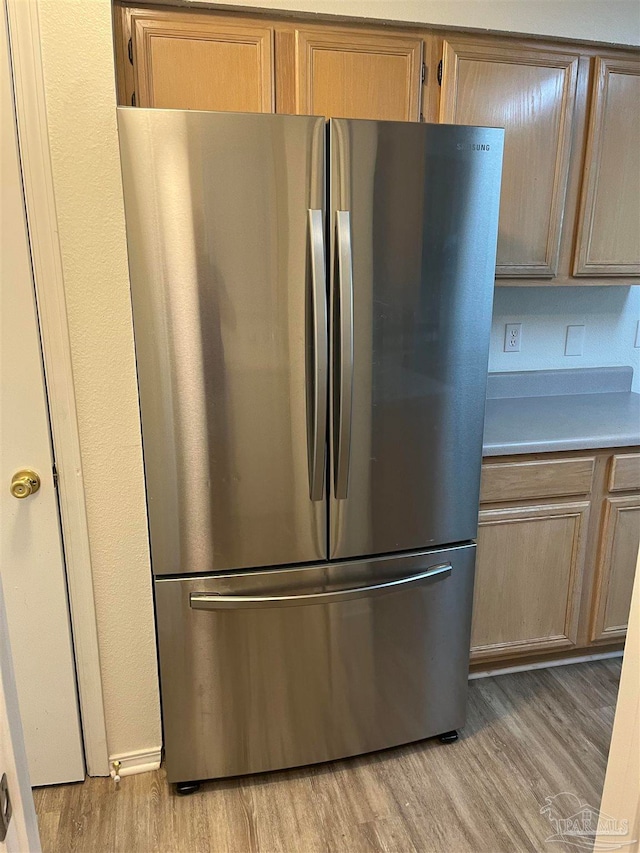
(531, 94)
(609, 230)
(351, 74)
(198, 62)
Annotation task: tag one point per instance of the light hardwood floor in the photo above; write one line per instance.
(529, 736)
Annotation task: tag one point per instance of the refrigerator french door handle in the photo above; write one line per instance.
(342, 431)
(317, 428)
(211, 601)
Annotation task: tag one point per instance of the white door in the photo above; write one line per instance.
(31, 560)
(18, 824)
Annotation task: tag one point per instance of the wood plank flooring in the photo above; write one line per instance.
(529, 736)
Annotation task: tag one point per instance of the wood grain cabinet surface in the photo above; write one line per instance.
(608, 241)
(616, 567)
(349, 74)
(531, 93)
(528, 573)
(555, 577)
(201, 62)
(625, 472)
(188, 60)
(536, 478)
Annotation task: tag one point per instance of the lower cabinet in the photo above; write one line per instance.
(558, 540)
(530, 563)
(616, 567)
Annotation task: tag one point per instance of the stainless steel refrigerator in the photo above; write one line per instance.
(312, 306)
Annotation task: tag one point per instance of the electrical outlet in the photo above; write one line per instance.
(574, 342)
(512, 335)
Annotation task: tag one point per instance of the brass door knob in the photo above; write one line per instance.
(24, 483)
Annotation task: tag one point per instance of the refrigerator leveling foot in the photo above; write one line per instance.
(184, 788)
(448, 737)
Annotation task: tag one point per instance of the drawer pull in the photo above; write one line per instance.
(213, 601)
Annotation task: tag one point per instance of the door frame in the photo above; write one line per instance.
(14, 757)
(46, 259)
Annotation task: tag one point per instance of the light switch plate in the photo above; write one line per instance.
(574, 342)
(637, 340)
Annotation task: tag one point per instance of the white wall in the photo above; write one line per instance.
(616, 21)
(77, 57)
(78, 65)
(610, 316)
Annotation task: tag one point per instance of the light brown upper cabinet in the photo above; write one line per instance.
(354, 74)
(531, 93)
(570, 204)
(609, 221)
(201, 62)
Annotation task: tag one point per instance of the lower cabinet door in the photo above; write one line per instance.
(616, 567)
(530, 562)
(278, 668)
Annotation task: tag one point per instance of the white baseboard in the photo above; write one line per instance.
(544, 664)
(137, 762)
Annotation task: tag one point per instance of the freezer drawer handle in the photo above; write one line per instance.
(212, 601)
(317, 428)
(344, 296)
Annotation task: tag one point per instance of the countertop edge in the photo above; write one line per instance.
(600, 443)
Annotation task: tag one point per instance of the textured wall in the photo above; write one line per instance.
(77, 54)
(616, 21)
(610, 316)
(79, 82)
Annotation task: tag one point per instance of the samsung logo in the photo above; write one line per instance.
(472, 146)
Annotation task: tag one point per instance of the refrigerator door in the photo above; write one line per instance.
(226, 254)
(273, 669)
(414, 219)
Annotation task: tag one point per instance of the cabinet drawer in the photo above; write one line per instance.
(506, 481)
(625, 472)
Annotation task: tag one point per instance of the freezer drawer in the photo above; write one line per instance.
(265, 670)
